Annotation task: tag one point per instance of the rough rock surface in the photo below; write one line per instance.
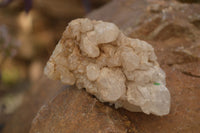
(83, 115)
(97, 56)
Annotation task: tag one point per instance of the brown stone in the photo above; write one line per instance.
(76, 111)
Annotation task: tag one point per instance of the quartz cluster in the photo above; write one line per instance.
(97, 56)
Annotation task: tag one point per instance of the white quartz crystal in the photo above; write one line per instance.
(97, 56)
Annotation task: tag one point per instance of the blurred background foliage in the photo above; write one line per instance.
(29, 31)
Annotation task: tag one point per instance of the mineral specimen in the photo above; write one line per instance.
(97, 56)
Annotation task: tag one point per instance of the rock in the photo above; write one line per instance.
(66, 113)
(137, 80)
(182, 70)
